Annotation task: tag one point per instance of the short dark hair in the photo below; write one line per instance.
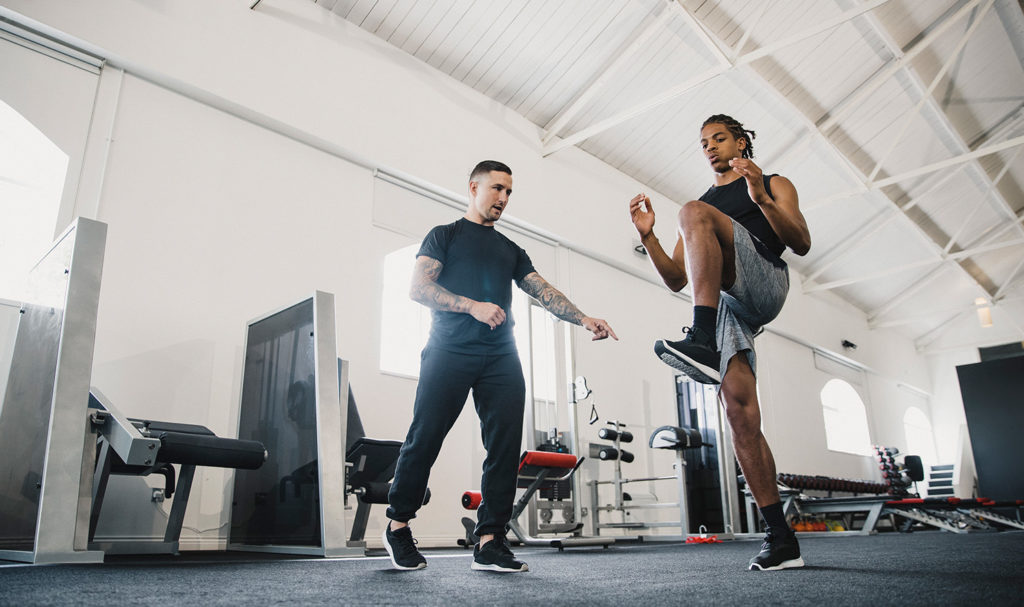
(486, 167)
(736, 129)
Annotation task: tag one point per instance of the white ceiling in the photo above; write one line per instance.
(900, 121)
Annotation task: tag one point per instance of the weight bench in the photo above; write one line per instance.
(369, 467)
(137, 447)
(538, 470)
(955, 514)
(679, 440)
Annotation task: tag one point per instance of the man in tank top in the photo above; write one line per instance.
(729, 249)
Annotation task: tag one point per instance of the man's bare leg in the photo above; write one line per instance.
(739, 394)
(707, 238)
(710, 253)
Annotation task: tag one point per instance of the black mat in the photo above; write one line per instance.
(922, 568)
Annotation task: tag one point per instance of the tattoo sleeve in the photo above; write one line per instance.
(551, 298)
(426, 291)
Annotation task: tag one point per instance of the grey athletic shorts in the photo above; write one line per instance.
(754, 300)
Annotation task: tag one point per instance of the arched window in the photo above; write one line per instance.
(920, 439)
(32, 170)
(846, 420)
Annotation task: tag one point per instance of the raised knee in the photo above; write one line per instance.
(694, 212)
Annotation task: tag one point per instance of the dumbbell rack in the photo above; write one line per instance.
(893, 474)
(618, 435)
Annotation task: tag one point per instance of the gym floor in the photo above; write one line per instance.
(920, 568)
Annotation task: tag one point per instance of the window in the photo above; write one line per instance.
(32, 170)
(405, 324)
(846, 421)
(542, 346)
(920, 440)
(405, 328)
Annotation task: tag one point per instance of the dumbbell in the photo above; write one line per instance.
(471, 500)
(624, 436)
(611, 454)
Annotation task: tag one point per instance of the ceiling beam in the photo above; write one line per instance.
(1009, 279)
(733, 59)
(836, 253)
(981, 201)
(914, 264)
(928, 278)
(824, 26)
(746, 34)
(636, 42)
(902, 59)
(868, 185)
(725, 65)
(928, 92)
(906, 320)
(949, 162)
(933, 334)
(830, 256)
(924, 170)
(859, 177)
(724, 58)
(905, 294)
(941, 119)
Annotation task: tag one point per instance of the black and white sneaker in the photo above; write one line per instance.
(401, 548)
(496, 555)
(777, 553)
(695, 355)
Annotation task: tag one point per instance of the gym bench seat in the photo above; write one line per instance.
(138, 447)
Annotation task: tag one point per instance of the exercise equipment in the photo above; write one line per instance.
(830, 484)
(666, 437)
(711, 471)
(878, 501)
(127, 446)
(615, 435)
(46, 471)
(898, 477)
(611, 454)
(369, 467)
(538, 470)
(294, 395)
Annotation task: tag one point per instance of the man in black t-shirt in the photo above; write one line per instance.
(729, 248)
(464, 273)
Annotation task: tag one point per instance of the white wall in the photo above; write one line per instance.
(215, 220)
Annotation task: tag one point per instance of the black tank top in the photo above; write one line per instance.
(733, 200)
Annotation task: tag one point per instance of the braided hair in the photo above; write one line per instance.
(736, 129)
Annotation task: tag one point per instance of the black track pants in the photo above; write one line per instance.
(499, 392)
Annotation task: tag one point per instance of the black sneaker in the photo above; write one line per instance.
(695, 355)
(401, 548)
(496, 555)
(777, 553)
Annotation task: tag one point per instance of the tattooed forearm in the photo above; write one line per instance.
(551, 298)
(426, 291)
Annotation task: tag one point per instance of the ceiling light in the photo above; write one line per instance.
(984, 313)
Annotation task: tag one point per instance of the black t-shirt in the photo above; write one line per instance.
(479, 263)
(734, 200)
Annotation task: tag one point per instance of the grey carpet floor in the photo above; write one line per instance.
(922, 568)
